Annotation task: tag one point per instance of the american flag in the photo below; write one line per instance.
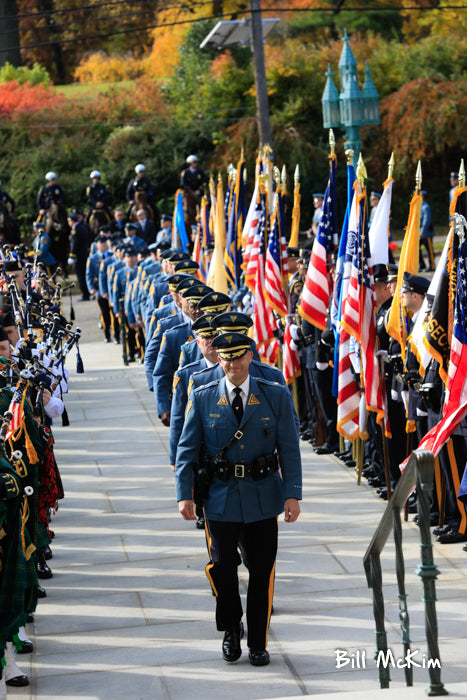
(291, 363)
(455, 399)
(16, 408)
(263, 318)
(276, 274)
(359, 317)
(348, 394)
(316, 293)
(251, 251)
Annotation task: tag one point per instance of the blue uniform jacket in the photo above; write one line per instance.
(154, 345)
(157, 315)
(267, 425)
(180, 389)
(167, 364)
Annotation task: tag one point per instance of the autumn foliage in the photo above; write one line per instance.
(16, 98)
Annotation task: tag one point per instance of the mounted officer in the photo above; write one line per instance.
(49, 193)
(97, 196)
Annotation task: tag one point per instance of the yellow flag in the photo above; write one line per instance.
(398, 317)
(217, 278)
(293, 243)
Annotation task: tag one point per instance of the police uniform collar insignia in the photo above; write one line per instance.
(223, 401)
(253, 401)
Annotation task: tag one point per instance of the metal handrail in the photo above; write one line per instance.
(419, 470)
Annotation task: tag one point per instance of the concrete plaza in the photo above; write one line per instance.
(129, 612)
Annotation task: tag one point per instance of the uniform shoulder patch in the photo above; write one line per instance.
(223, 401)
(175, 382)
(188, 408)
(253, 401)
(190, 385)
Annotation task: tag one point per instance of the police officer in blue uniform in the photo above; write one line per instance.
(240, 429)
(51, 192)
(97, 195)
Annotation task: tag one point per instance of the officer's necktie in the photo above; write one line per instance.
(237, 404)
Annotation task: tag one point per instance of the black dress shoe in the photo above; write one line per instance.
(116, 341)
(26, 648)
(106, 340)
(47, 552)
(326, 449)
(306, 435)
(350, 463)
(29, 617)
(200, 523)
(18, 681)
(42, 568)
(41, 592)
(437, 531)
(376, 481)
(231, 649)
(258, 657)
(451, 537)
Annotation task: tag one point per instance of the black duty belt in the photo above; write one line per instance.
(261, 468)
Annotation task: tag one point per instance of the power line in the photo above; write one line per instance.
(226, 14)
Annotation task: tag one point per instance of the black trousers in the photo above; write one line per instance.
(105, 315)
(259, 542)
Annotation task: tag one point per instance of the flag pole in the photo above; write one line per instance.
(362, 177)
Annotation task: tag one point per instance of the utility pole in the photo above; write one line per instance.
(257, 47)
(9, 33)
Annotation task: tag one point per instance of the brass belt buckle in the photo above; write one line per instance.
(239, 470)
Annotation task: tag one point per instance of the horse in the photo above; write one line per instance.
(56, 227)
(9, 229)
(97, 219)
(141, 202)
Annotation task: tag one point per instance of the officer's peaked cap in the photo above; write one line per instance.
(415, 283)
(232, 345)
(215, 302)
(233, 321)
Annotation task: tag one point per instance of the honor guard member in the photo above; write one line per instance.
(228, 322)
(212, 304)
(172, 341)
(205, 334)
(93, 266)
(165, 233)
(49, 193)
(177, 283)
(240, 430)
(41, 247)
(414, 288)
(389, 349)
(97, 195)
(194, 178)
(79, 251)
(132, 239)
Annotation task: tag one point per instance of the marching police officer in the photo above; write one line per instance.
(240, 429)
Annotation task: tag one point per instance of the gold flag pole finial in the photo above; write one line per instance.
(284, 176)
(349, 154)
(332, 142)
(418, 178)
(296, 177)
(462, 174)
(219, 177)
(267, 151)
(242, 153)
(276, 174)
(361, 171)
(391, 165)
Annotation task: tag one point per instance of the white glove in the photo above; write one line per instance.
(293, 346)
(71, 261)
(294, 331)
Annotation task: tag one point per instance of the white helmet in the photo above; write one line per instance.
(192, 159)
(140, 168)
(95, 173)
(50, 176)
